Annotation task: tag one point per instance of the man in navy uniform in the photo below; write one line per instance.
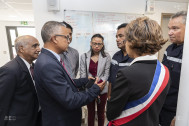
(173, 60)
(120, 59)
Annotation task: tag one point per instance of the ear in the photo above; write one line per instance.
(53, 39)
(90, 43)
(21, 49)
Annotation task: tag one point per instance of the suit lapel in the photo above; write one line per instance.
(100, 65)
(22, 64)
(88, 61)
(48, 53)
(26, 71)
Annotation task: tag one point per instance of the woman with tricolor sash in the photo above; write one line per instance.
(140, 89)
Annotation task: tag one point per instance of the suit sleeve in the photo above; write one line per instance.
(107, 68)
(77, 65)
(82, 67)
(80, 82)
(7, 87)
(119, 97)
(57, 85)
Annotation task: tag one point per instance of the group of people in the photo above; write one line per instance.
(141, 91)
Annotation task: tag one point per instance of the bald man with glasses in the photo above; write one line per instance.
(58, 93)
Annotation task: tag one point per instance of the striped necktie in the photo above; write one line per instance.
(32, 71)
(66, 70)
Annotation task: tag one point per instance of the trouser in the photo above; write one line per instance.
(100, 111)
(166, 117)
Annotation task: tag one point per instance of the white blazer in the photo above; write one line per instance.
(103, 69)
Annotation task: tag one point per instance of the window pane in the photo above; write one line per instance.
(14, 52)
(13, 36)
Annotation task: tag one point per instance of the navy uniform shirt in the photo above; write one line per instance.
(118, 61)
(173, 60)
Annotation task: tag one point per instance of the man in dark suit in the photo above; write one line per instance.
(59, 97)
(18, 99)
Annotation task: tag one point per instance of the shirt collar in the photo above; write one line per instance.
(146, 57)
(27, 64)
(55, 54)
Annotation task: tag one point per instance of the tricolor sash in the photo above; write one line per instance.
(134, 108)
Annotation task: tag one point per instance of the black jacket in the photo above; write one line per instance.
(133, 83)
(18, 99)
(173, 60)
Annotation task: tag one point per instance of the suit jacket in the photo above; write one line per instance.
(133, 83)
(71, 61)
(18, 99)
(103, 69)
(59, 97)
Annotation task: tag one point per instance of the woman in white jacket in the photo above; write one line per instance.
(96, 63)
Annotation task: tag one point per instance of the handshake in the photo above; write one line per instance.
(93, 80)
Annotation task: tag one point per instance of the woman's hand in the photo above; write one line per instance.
(101, 85)
(173, 121)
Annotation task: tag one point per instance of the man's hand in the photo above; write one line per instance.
(89, 77)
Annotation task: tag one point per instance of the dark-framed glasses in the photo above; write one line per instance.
(95, 44)
(66, 37)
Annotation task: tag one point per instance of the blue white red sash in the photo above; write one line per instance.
(135, 108)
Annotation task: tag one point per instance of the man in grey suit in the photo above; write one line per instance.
(18, 99)
(71, 56)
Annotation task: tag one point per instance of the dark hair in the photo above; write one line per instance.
(122, 26)
(68, 25)
(180, 13)
(103, 48)
(145, 36)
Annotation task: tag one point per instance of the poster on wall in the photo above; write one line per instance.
(85, 24)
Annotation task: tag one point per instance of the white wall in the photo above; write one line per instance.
(166, 7)
(182, 115)
(4, 50)
(41, 14)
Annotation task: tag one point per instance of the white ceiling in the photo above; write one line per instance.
(181, 1)
(16, 10)
(21, 10)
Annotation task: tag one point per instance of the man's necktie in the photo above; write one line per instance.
(66, 70)
(64, 66)
(32, 71)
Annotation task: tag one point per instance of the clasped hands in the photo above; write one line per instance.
(101, 85)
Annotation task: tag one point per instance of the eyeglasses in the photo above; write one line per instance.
(66, 37)
(95, 44)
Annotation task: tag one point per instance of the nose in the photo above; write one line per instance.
(38, 49)
(170, 32)
(69, 40)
